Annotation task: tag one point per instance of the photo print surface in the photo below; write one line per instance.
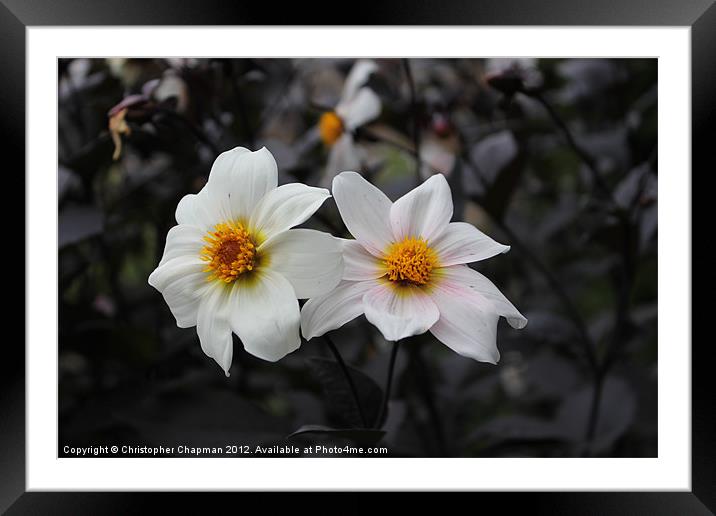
(357, 257)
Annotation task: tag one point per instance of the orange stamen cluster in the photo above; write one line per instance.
(410, 261)
(331, 127)
(230, 252)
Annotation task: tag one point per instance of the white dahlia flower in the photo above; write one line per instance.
(357, 106)
(234, 265)
(406, 271)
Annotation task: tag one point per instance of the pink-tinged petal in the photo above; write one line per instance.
(265, 315)
(365, 211)
(424, 212)
(463, 280)
(464, 243)
(359, 264)
(399, 311)
(213, 326)
(464, 327)
(312, 261)
(322, 314)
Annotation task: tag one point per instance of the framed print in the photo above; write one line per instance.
(362, 255)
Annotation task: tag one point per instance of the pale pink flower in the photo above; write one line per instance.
(406, 271)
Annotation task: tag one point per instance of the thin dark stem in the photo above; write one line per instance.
(425, 386)
(276, 103)
(583, 155)
(388, 385)
(623, 284)
(416, 119)
(349, 379)
(198, 133)
(552, 281)
(242, 109)
(561, 294)
(591, 429)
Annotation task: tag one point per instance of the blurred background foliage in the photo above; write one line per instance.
(555, 157)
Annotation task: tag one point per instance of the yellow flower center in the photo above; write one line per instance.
(229, 253)
(331, 127)
(410, 261)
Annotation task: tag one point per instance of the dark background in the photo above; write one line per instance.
(556, 158)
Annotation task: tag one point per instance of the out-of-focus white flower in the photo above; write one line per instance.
(357, 106)
(436, 155)
(233, 264)
(522, 69)
(116, 65)
(173, 86)
(75, 77)
(406, 271)
(182, 62)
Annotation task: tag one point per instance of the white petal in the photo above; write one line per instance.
(399, 311)
(185, 210)
(265, 315)
(256, 176)
(183, 240)
(464, 243)
(285, 207)
(199, 210)
(225, 164)
(331, 311)
(365, 211)
(464, 327)
(312, 261)
(360, 264)
(239, 179)
(357, 77)
(360, 109)
(212, 325)
(215, 193)
(423, 212)
(182, 282)
(463, 279)
(343, 155)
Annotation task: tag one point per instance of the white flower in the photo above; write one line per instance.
(436, 155)
(406, 271)
(232, 264)
(526, 68)
(357, 106)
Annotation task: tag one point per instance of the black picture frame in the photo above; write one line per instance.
(700, 15)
